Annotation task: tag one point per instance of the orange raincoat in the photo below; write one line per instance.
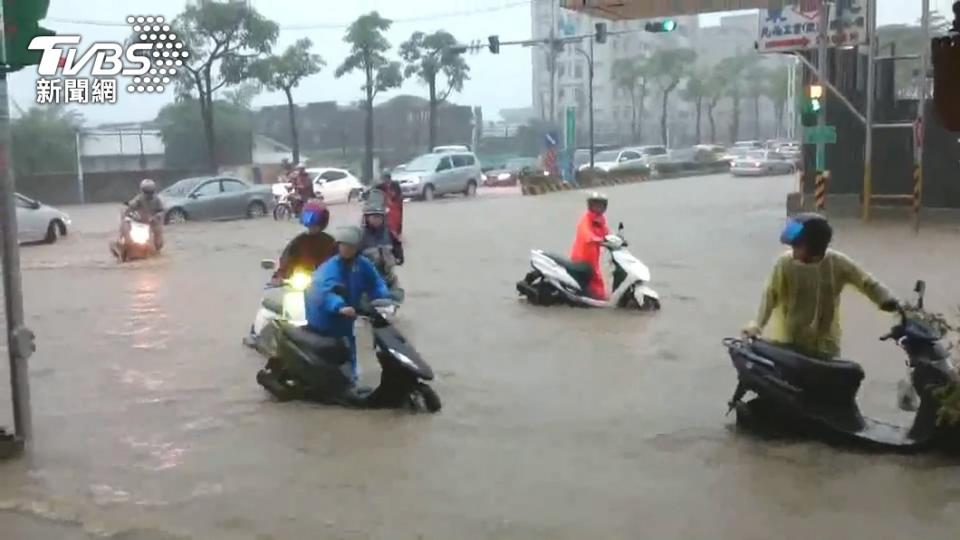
(591, 231)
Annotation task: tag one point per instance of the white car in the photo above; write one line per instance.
(638, 158)
(335, 185)
(37, 222)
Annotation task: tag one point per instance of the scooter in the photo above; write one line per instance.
(811, 397)
(558, 280)
(310, 367)
(283, 301)
(137, 242)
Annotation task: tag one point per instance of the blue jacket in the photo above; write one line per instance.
(323, 306)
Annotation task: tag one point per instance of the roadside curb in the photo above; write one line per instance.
(553, 187)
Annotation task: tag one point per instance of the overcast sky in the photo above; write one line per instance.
(496, 81)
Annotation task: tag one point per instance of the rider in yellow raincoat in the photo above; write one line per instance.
(800, 307)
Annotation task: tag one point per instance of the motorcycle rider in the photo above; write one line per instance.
(379, 243)
(802, 297)
(394, 203)
(591, 231)
(332, 315)
(145, 207)
(308, 250)
(303, 184)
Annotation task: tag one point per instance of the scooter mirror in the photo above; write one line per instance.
(920, 289)
(268, 264)
(620, 228)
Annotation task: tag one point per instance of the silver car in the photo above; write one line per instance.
(215, 198)
(440, 174)
(762, 162)
(37, 222)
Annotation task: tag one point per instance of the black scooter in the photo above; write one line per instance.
(310, 367)
(800, 395)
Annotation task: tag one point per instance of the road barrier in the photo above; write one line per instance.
(820, 189)
(540, 185)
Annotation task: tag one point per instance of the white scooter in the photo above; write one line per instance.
(279, 302)
(558, 280)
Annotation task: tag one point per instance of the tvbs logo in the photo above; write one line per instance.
(150, 61)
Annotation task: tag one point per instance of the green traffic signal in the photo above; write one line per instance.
(666, 25)
(22, 24)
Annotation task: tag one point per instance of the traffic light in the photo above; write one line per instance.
(22, 24)
(812, 105)
(601, 34)
(494, 43)
(666, 25)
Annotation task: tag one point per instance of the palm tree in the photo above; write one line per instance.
(696, 92)
(669, 67)
(633, 76)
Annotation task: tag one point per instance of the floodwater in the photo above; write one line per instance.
(557, 423)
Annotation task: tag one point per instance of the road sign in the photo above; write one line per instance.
(796, 27)
(818, 135)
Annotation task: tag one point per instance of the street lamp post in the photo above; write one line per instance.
(589, 58)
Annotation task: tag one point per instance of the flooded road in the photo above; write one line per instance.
(557, 423)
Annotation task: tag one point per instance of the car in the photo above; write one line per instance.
(513, 169)
(215, 198)
(791, 150)
(335, 185)
(762, 162)
(431, 175)
(582, 155)
(451, 148)
(626, 159)
(37, 222)
(750, 145)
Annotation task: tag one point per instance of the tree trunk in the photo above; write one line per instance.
(643, 107)
(633, 116)
(713, 123)
(294, 135)
(756, 113)
(368, 130)
(432, 84)
(663, 113)
(781, 110)
(206, 112)
(699, 118)
(735, 122)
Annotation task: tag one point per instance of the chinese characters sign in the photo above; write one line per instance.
(78, 91)
(795, 28)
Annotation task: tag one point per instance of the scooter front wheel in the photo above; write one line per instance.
(425, 398)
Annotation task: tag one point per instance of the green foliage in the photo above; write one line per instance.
(181, 127)
(44, 140)
(242, 95)
(668, 68)
(367, 48)
(428, 55)
(284, 72)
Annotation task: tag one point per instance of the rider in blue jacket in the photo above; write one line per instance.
(330, 314)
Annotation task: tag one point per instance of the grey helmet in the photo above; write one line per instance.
(148, 186)
(348, 234)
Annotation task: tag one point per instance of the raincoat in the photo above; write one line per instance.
(591, 231)
(359, 278)
(801, 303)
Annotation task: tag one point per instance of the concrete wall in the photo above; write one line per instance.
(98, 187)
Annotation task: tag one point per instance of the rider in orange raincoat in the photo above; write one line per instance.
(591, 231)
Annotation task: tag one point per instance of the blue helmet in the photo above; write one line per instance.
(315, 214)
(813, 229)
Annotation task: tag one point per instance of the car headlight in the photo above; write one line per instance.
(299, 281)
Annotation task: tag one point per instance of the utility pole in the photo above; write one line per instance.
(81, 190)
(19, 338)
(552, 61)
(822, 76)
(871, 105)
(589, 57)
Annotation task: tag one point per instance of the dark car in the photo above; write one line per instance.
(511, 171)
(216, 198)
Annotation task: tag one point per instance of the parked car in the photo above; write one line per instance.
(735, 153)
(216, 198)
(762, 162)
(582, 155)
(638, 159)
(335, 185)
(791, 150)
(451, 148)
(751, 145)
(431, 175)
(511, 171)
(37, 222)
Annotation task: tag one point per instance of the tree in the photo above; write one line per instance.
(44, 140)
(367, 48)
(284, 73)
(758, 76)
(221, 39)
(734, 85)
(427, 57)
(669, 67)
(181, 127)
(696, 91)
(778, 91)
(633, 76)
(242, 96)
(715, 89)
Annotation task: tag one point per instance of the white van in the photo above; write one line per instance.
(440, 174)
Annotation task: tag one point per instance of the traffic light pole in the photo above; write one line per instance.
(822, 76)
(19, 338)
(589, 58)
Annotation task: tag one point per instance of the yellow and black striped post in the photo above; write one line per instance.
(917, 194)
(820, 189)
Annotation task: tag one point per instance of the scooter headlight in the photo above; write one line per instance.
(299, 281)
(139, 233)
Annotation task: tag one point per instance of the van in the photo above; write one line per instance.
(444, 173)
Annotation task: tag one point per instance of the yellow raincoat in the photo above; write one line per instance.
(802, 301)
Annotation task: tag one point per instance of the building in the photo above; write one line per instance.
(612, 105)
(122, 147)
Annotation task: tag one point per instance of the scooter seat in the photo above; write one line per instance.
(321, 345)
(580, 271)
(838, 378)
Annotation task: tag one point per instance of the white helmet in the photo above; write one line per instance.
(148, 186)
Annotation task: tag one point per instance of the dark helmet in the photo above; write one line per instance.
(315, 214)
(809, 229)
